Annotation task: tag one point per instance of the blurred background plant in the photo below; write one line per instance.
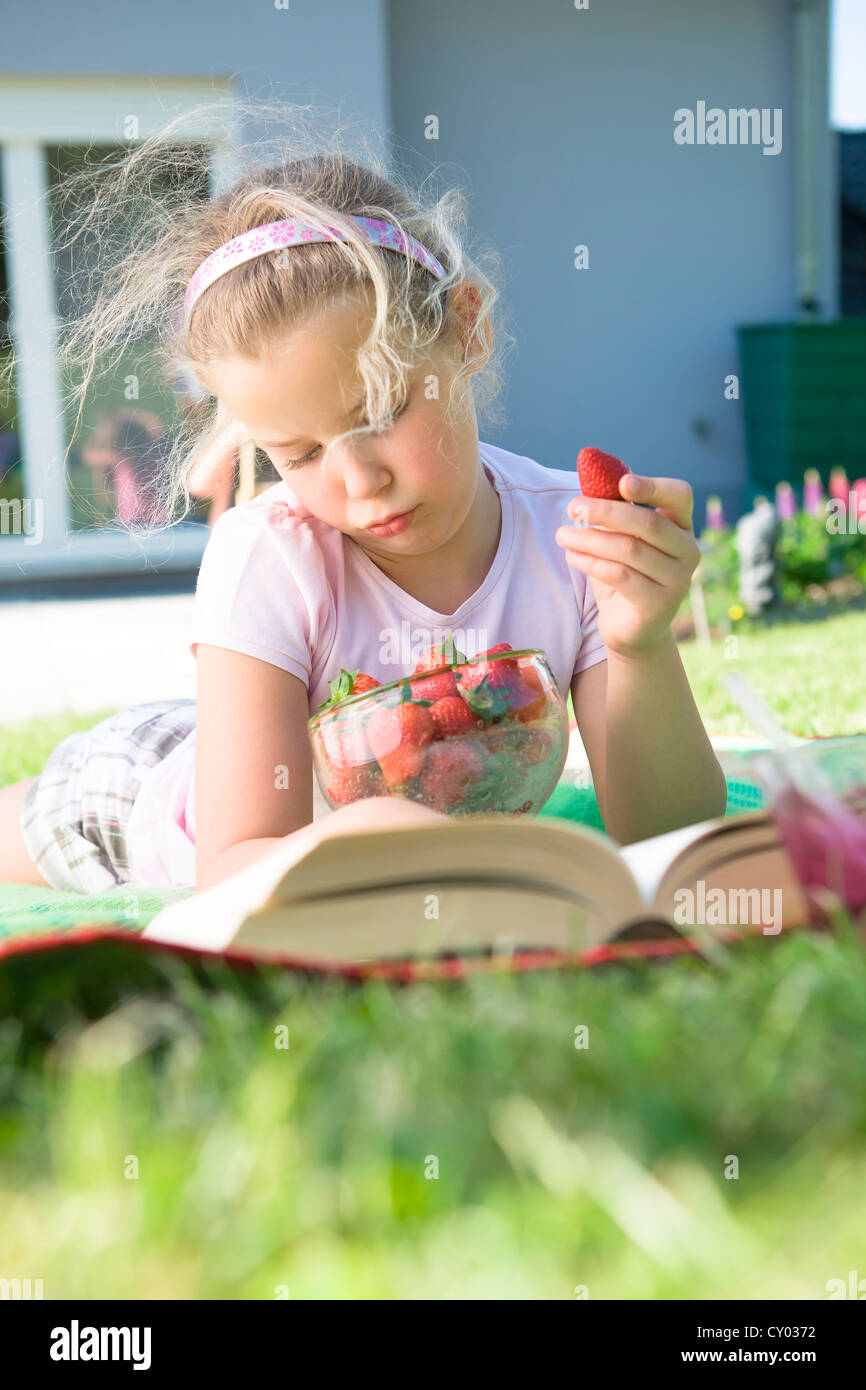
(820, 554)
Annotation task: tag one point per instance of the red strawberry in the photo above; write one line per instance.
(346, 684)
(450, 769)
(404, 726)
(532, 701)
(434, 687)
(501, 647)
(599, 474)
(499, 675)
(362, 683)
(442, 654)
(344, 744)
(451, 716)
(489, 687)
(355, 783)
(400, 766)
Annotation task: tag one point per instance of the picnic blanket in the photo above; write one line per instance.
(32, 911)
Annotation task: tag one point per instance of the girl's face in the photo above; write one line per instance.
(297, 398)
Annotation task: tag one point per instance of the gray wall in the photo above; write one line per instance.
(327, 50)
(561, 124)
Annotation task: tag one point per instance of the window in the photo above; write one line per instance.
(56, 521)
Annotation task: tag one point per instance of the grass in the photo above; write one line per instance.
(810, 672)
(449, 1141)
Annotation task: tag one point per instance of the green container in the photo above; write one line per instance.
(803, 387)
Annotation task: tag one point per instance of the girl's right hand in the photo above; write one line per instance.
(254, 771)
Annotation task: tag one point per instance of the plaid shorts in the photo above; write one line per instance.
(74, 816)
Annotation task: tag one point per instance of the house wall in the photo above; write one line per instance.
(560, 123)
(307, 51)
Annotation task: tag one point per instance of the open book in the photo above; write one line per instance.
(491, 883)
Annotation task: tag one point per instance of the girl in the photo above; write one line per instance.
(338, 322)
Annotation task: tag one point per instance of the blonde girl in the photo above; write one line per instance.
(336, 318)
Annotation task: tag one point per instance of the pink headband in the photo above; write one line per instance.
(291, 232)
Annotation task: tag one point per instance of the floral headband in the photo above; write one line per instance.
(291, 232)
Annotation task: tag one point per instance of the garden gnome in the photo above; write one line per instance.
(756, 536)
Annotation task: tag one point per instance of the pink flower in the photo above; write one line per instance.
(813, 493)
(715, 516)
(839, 486)
(786, 501)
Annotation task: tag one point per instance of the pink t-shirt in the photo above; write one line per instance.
(279, 584)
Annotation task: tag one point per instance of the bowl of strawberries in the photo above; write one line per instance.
(480, 735)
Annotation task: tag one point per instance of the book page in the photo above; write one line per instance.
(650, 859)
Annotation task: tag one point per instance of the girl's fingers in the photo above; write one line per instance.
(622, 549)
(663, 528)
(673, 495)
(643, 592)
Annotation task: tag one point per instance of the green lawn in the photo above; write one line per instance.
(449, 1141)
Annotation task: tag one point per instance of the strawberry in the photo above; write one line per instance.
(344, 745)
(346, 684)
(362, 683)
(401, 765)
(442, 654)
(489, 687)
(495, 651)
(349, 784)
(531, 699)
(451, 716)
(450, 770)
(498, 675)
(404, 726)
(599, 474)
(434, 687)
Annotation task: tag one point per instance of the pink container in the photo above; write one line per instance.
(816, 793)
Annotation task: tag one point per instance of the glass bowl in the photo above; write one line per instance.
(497, 742)
(816, 793)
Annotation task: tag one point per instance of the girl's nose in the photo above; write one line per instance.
(363, 474)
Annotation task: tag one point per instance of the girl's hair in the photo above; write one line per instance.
(133, 228)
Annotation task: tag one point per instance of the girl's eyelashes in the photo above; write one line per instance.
(308, 458)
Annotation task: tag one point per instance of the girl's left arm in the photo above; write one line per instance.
(653, 766)
(652, 762)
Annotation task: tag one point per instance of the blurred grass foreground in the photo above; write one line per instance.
(657, 1131)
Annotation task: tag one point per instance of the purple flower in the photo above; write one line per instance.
(715, 516)
(813, 493)
(786, 501)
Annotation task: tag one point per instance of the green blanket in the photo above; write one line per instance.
(26, 910)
